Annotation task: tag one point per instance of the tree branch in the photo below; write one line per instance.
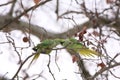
(104, 69)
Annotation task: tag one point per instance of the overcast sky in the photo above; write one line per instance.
(44, 17)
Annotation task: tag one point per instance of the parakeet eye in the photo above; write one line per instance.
(35, 49)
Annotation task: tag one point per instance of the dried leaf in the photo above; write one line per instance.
(102, 65)
(81, 33)
(80, 37)
(74, 58)
(36, 1)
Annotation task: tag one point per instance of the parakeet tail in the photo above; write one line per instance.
(88, 52)
(34, 58)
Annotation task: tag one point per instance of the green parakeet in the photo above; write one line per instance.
(71, 44)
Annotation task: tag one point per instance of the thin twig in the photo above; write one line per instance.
(114, 75)
(11, 40)
(12, 8)
(48, 65)
(56, 61)
(21, 66)
(38, 76)
(57, 9)
(6, 3)
(103, 70)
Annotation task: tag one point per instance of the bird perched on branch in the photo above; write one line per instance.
(71, 44)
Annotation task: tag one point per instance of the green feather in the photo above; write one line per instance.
(36, 56)
(44, 47)
(71, 44)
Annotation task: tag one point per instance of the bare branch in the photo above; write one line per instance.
(21, 65)
(11, 40)
(84, 73)
(114, 74)
(104, 69)
(6, 3)
(48, 65)
(57, 9)
(56, 61)
(12, 8)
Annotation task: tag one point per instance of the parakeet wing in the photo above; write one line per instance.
(75, 46)
(81, 49)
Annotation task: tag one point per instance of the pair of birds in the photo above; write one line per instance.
(72, 45)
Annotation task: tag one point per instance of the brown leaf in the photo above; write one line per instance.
(74, 58)
(80, 37)
(81, 33)
(102, 65)
(36, 1)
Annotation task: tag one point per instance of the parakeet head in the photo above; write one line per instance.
(35, 49)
